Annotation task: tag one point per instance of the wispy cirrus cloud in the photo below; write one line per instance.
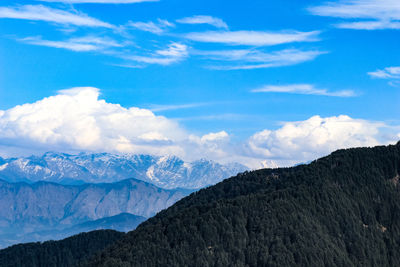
(202, 19)
(154, 27)
(219, 117)
(47, 14)
(79, 44)
(304, 89)
(390, 73)
(175, 52)
(255, 59)
(100, 1)
(386, 73)
(157, 108)
(253, 38)
(363, 14)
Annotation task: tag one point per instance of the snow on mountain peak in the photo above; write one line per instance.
(164, 171)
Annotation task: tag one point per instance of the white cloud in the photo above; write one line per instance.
(174, 53)
(221, 117)
(215, 136)
(306, 140)
(58, 16)
(390, 73)
(201, 19)
(304, 89)
(79, 44)
(369, 25)
(100, 1)
(156, 108)
(255, 59)
(370, 14)
(77, 120)
(253, 38)
(386, 73)
(156, 28)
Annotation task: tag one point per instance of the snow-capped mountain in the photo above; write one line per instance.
(166, 172)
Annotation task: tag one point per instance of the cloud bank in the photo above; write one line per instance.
(306, 140)
(78, 120)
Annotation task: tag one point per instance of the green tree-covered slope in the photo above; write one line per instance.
(67, 252)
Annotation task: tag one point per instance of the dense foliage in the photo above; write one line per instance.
(341, 210)
(67, 252)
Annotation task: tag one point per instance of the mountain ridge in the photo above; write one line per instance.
(26, 210)
(164, 171)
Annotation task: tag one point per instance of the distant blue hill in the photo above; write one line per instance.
(45, 210)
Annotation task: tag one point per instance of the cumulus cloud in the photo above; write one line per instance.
(201, 19)
(253, 38)
(304, 89)
(369, 14)
(58, 16)
(78, 120)
(306, 140)
(215, 136)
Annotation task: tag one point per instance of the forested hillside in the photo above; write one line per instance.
(67, 252)
(340, 210)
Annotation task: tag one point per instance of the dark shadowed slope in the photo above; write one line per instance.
(67, 252)
(341, 210)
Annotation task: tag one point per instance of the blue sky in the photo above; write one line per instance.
(248, 77)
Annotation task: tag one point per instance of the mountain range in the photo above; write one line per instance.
(165, 172)
(44, 210)
(340, 210)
